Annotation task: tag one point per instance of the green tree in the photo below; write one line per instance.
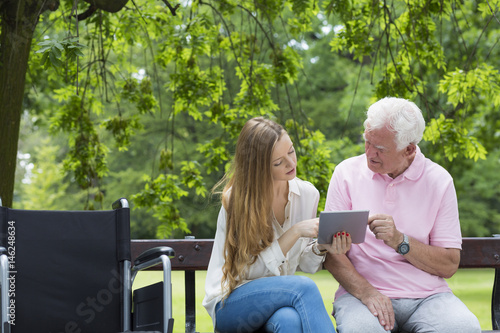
(18, 23)
(47, 178)
(15, 45)
(119, 83)
(412, 49)
(479, 197)
(146, 93)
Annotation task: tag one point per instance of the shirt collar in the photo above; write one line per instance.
(416, 168)
(293, 187)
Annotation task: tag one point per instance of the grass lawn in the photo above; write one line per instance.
(472, 286)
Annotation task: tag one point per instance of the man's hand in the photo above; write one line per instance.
(381, 307)
(383, 228)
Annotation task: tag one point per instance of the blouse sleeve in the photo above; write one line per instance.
(213, 290)
(310, 262)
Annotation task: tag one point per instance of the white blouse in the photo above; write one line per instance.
(303, 200)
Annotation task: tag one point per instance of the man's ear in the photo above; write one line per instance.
(410, 149)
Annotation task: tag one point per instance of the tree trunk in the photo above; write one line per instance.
(18, 22)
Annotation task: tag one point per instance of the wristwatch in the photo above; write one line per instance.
(404, 246)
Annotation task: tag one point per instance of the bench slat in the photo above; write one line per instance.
(480, 252)
(190, 254)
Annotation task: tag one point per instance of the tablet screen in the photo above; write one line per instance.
(353, 222)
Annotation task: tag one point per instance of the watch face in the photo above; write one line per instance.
(404, 248)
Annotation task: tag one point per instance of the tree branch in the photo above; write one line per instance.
(86, 14)
(492, 13)
(172, 9)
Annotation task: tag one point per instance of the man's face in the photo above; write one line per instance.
(382, 155)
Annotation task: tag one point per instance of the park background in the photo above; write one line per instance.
(144, 99)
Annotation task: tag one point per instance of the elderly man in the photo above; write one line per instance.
(394, 281)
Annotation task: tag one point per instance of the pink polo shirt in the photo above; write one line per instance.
(422, 202)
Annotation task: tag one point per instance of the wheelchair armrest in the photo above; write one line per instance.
(150, 258)
(154, 253)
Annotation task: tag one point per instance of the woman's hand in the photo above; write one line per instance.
(341, 243)
(307, 228)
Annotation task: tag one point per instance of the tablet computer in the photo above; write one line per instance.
(353, 222)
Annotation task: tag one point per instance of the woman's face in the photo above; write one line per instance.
(283, 160)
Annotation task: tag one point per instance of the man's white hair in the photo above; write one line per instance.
(401, 116)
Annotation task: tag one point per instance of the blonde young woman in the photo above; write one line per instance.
(265, 232)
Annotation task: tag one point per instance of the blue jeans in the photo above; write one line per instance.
(274, 304)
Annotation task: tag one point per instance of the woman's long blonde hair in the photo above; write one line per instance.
(247, 198)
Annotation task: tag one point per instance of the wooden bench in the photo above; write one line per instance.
(192, 255)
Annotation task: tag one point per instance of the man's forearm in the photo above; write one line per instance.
(433, 259)
(346, 275)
